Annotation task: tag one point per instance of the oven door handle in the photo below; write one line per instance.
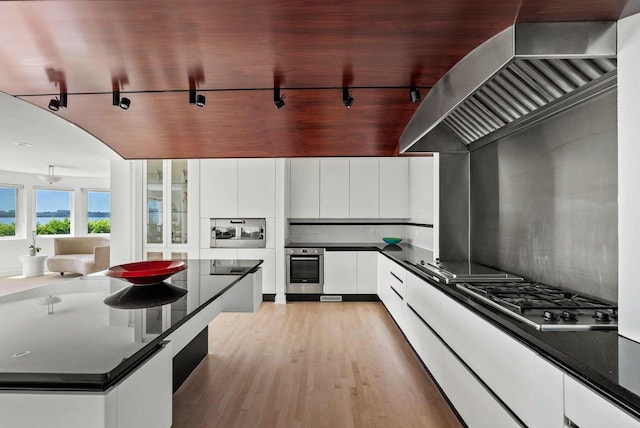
(300, 258)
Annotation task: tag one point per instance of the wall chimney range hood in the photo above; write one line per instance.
(518, 77)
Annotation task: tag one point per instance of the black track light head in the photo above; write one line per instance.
(201, 100)
(54, 104)
(194, 98)
(277, 99)
(123, 103)
(347, 99)
(414, 95)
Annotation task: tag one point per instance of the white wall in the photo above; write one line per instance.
(628, 176)
(11, 248)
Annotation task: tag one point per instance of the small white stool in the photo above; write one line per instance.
(32, 265)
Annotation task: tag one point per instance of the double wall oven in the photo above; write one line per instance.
(305, 270)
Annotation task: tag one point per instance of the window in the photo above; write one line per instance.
(53, 212)
(98, 211)
(8, 202)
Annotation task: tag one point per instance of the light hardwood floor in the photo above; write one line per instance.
(309, 365)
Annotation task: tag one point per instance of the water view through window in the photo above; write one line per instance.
(53, 212)
(8, 197)
(98, 212)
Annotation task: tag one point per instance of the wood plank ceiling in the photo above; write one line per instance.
(236, 51)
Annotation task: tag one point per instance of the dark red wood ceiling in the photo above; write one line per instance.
(238, 49)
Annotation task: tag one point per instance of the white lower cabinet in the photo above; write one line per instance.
(367, 267)
(587, 409)
(350, 272)
(340, 272)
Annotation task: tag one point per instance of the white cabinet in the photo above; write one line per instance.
(367, 270)
(392, 289)
(334, 191)
(350, 272)
(340, 272)
(219, 188)
(470, 398)
(363, 188)
(231, 188)
(394, 188)
(548, 396)
(256, 188)
(167, 199)
(268, 255)
(305, 188)
(587, 409)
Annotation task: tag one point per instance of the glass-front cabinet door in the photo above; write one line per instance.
(166, 207)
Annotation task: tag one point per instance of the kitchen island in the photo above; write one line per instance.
(96, 351)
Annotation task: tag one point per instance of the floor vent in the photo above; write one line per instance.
(331, 298)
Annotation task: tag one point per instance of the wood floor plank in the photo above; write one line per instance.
(309, 364)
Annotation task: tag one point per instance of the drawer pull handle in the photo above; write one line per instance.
(396, 277)
(396, 291)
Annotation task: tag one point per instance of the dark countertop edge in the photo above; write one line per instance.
(619, 395)
(357, 223)
(100, 382)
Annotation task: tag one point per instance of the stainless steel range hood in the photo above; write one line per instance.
(518, 77)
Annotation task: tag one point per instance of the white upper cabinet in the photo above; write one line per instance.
(231, 188)
(256, 188)
(349, 188)
(305, 188)
(394, 188)
(219, 188)
(334, 192)
(363, 188)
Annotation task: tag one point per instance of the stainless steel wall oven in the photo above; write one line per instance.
(305, 270)
(238, 232)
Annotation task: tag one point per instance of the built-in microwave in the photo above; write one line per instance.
(238, 233)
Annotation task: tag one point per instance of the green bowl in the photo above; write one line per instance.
(392, 241)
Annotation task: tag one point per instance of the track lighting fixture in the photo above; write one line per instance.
(123, 103)
(194, 98)
(347, 99)
(414, 94)
(56, 103)
(277, 99)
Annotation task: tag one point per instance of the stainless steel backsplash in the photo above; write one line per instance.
(543, 201)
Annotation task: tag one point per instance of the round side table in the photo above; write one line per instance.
(32, 265)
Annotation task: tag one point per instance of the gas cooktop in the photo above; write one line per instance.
(545, 307)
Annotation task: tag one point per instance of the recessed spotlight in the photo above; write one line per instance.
(21, 144)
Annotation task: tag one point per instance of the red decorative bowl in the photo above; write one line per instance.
(148, 272)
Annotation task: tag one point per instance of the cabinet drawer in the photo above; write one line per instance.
(586, 409)
(504, 364)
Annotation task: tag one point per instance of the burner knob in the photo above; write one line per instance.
(602, 316)
(550, 316)
(569, 316)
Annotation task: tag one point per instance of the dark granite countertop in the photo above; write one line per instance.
(600, 359)
(87, 344)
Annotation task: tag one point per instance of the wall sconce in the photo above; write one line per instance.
(56, 103)
(347, 99)
(277, 99)
(123, 102)
(194, 98)
(414, 94)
